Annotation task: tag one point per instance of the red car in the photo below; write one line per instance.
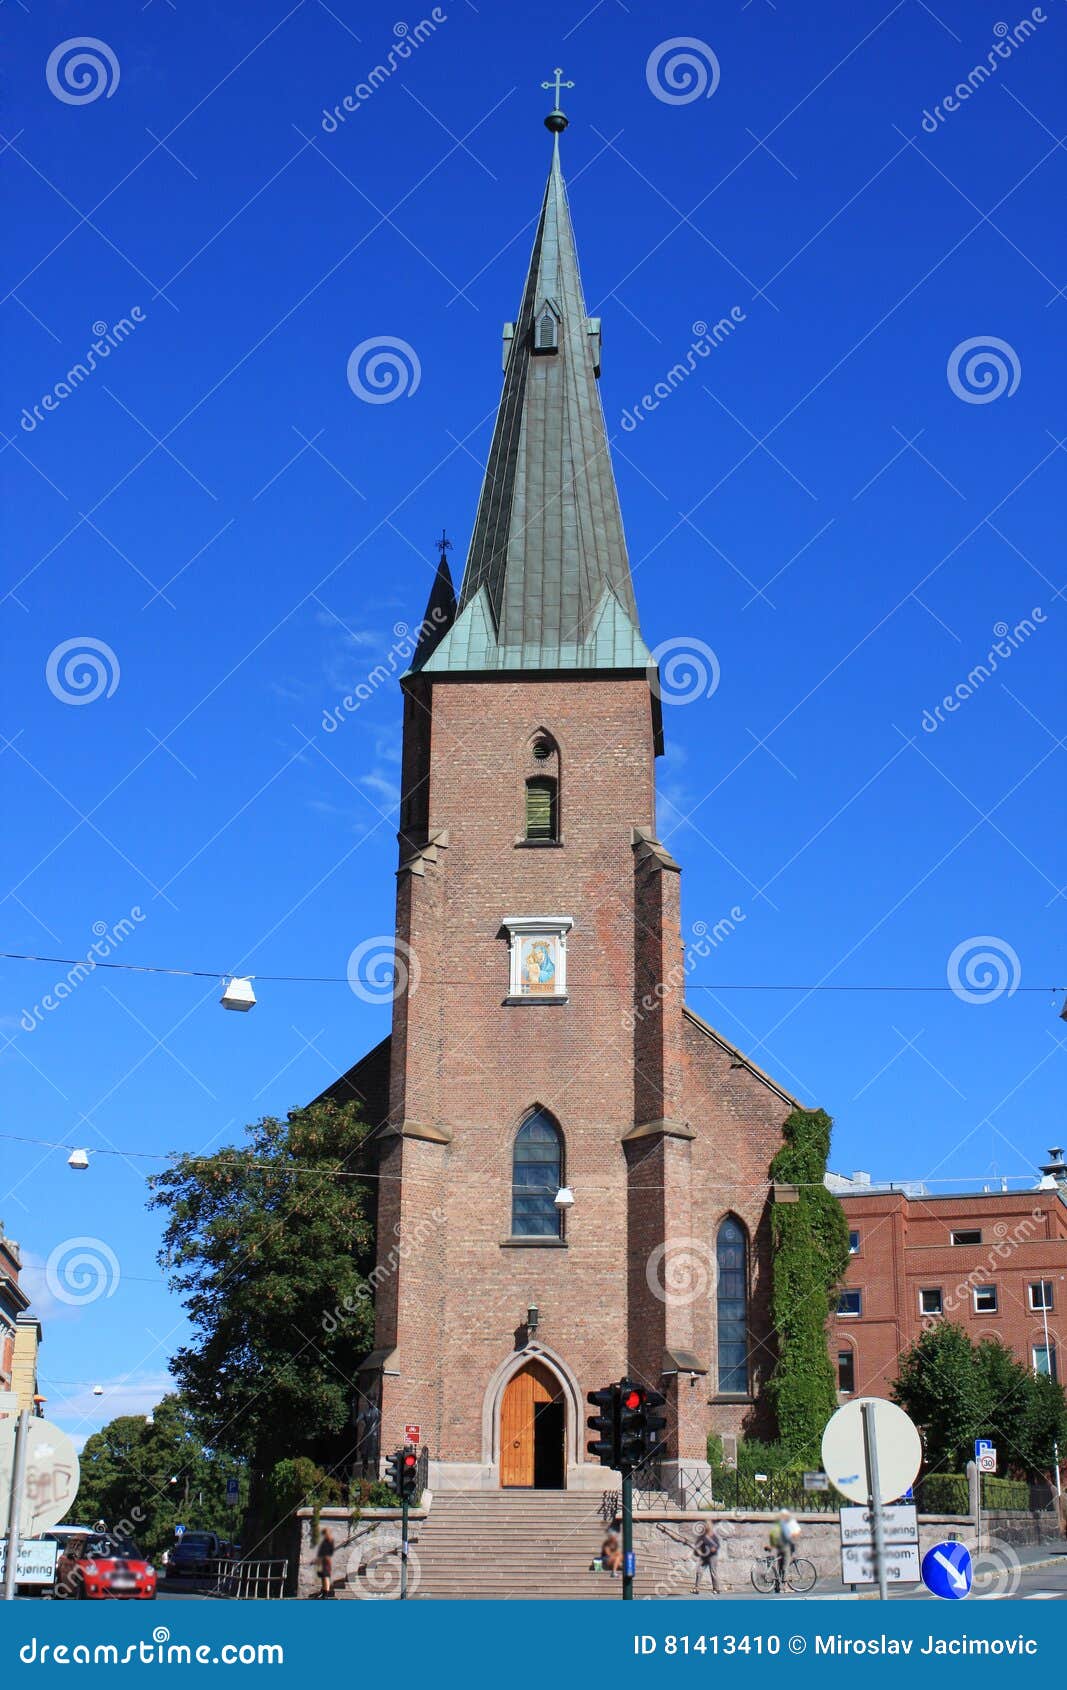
(102, 1566)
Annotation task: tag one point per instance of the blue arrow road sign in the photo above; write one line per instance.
(947, 1570)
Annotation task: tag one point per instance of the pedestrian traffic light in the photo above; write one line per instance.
(606, 1423)
(639, 1424)
(409, 1476)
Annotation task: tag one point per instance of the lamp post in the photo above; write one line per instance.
(1048, 1363)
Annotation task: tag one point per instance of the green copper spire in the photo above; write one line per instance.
(547, 583)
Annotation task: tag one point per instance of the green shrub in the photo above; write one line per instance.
(943, 1493)
(1005, 1493)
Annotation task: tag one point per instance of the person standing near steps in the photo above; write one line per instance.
(706, 1550)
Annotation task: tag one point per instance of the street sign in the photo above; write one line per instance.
(981, 1445)
(36, 1562)
(629, 1564)
(901, 1563)
(231, 1492)
(179, 1531)
(899, 1450)
(948, 1570)
(52, 1474)
(412, 1434)
(816, 1481)
(899, 1523)
(987, 1461)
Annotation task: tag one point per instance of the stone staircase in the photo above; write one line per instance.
(515, 1544)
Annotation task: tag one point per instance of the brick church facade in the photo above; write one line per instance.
(573, 1164)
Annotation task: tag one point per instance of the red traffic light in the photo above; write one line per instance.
(410, 1458)
(633, 1399)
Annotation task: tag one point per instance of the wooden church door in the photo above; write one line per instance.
(532, 1430)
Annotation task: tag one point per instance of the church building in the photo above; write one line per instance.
(573, 1164)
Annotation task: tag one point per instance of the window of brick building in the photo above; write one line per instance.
(931, 1301)
(967, 1235)
(1041, 1294)
(850, 1302)
(846, 1371)
(985, 1299)
(731, 1258)
(853, 1243)
(537, 1174)
(1044, 1358)
(542, 811)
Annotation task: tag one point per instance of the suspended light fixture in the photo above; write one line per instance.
(564, 1197)
(78, 1159)
(238, 994)
(98, 1390)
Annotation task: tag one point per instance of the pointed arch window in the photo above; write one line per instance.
(731, 1256)
(542, 817)
(536, 1176)
(546, 328)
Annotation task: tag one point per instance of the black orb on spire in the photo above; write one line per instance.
(557, 121)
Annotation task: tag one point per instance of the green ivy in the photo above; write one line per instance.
(810, 1240)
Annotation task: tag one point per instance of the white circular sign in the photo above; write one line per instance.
(52, 1474)
(898, 1444)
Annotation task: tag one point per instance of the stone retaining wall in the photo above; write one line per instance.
(366, 1559)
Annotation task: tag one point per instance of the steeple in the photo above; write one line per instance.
(547, 583)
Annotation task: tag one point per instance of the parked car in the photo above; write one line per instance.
(195, 1555)
(104, 1566)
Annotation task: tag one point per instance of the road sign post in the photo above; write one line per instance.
(14, 1517)
(870, 1453)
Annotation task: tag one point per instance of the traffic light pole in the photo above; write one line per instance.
(403, 1546)
(627, 1535)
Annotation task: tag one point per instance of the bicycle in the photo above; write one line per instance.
(800, 1575)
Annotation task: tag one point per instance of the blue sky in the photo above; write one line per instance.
(828, 504)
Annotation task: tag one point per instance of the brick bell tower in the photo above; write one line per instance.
(562, 1140)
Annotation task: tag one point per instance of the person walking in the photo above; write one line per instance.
(324, 1565)
(706, 1550)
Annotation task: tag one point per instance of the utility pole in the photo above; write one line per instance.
(1048, 1359)
(18, 1486)
(874, 1495)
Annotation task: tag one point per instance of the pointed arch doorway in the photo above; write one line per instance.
(533, 1430)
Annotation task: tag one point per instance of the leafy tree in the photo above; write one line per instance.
(269, 1244)
(145, 1477)
(810, 1240)
(957, 1391)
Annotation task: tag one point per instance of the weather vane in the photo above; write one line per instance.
(444, 544)
(556, 121)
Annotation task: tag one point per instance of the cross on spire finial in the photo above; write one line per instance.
(556, 120)
(444, 544)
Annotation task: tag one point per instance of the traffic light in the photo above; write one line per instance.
(606, 1423)
(409, 1475)
(394, 1469)
(639, 1425)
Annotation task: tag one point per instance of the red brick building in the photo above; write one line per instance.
(573, 1165)
(994, 1262)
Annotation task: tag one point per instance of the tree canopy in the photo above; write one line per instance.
(957, 1391)
(269, 1245)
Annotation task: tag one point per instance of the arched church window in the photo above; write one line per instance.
(731, 1255)
(536, 1176)
(541, 808)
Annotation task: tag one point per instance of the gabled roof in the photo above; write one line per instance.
(547, 584)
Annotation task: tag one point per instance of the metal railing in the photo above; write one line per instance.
(248, 1581)
(730, 1490)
